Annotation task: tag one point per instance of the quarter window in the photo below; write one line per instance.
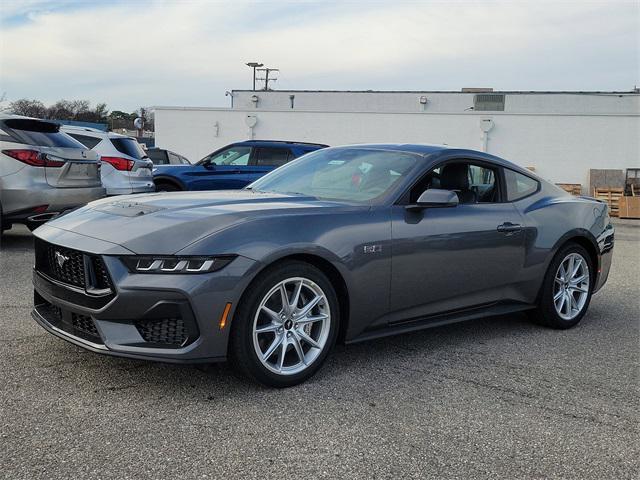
(519, 185)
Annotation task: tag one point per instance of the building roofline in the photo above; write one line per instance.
(510, 92)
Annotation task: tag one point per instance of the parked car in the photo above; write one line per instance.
(232, 167)
(161, 156)
(126, 169)
(347, 243)
(43, 172)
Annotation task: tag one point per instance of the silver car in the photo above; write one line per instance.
(43, 172)
(126, 169)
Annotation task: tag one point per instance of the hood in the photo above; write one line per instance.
(163, 223)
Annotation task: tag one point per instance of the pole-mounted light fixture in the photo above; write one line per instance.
(254, 65)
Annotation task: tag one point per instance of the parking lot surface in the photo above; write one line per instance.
(495, 398)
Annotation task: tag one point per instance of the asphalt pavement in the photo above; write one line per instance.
(495, 398)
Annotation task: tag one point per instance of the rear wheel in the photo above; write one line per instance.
(166, 187)
(567, 288)
(286, 325)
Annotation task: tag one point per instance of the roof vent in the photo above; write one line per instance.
(488, 102)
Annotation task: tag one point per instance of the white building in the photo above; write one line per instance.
(561, 134)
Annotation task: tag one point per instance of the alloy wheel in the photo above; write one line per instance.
(291, 326)
(571, 286)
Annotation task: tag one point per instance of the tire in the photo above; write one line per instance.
(167, 187)
(566, 316)
(289, 335)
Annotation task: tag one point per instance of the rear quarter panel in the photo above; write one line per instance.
(552, 218)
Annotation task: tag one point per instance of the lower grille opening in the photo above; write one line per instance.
(84, 324)
(167, 332)
(81, 326)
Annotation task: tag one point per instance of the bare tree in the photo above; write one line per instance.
(28, 108)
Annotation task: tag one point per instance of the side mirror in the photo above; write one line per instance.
(435, 198)
(210, 166)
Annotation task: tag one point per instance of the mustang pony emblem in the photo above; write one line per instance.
(60, 259)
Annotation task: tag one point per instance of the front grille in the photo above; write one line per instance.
(63, 264)
(102, 280)
(167, 331)
(72, 267)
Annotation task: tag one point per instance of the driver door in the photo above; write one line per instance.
(453, 258)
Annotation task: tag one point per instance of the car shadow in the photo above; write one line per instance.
(347, 365)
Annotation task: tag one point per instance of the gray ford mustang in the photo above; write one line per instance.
(343, 244)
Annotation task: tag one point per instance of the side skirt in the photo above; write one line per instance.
(440, 319)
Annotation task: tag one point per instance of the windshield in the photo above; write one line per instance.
(356, 175)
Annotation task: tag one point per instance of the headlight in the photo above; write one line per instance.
(145, 264)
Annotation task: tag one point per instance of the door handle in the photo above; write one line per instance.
(508, 227)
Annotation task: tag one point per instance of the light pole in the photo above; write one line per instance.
(254, 65)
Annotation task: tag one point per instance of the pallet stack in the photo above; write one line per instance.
(572, 188)
(612, 196)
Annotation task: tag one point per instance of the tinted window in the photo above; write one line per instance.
(238, 155)
(87, 141)
(173, 158)
(480, 185)
(347, 174)
(128, 146)
(35, 132)
(158, 157)
(272, 156)
(184, 161)
(518, 185)
(482, 181)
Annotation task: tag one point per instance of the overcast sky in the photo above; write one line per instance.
(144, 53)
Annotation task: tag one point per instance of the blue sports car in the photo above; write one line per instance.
(231, 167)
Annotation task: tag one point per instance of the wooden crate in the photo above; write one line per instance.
(630, 207)
(572, 188)
(612, 196)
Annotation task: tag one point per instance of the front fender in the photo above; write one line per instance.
(171, 179)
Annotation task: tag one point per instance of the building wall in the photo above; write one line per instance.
(577, 132)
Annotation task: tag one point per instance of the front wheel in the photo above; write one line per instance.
(567, 288)
(286, 325)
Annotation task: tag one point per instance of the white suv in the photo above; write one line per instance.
(125, 168)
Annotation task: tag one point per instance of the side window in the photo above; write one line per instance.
(173, 158)
(482, 181)
(231, 156)
(87, 141)
(158, 157)
(272, 156)
(519, 185)
(472, 183)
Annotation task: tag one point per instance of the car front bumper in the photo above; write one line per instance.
(161, 317)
